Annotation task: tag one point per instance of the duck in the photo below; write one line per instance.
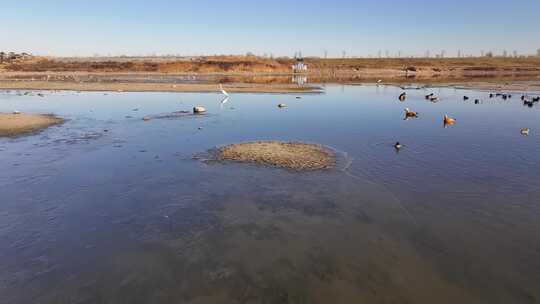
(410, 114)
(403, 96)
(434, 99)
(282, 105)
(398, 146)
(448, 120)
(528, 103)
(536, 99)
(465, 97)
(428, 96)
(525, 131)
(491, 95)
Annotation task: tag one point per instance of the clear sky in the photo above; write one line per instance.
(197, 27)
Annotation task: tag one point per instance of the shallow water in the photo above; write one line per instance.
(107, 208)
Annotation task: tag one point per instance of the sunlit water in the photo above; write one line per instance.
(108, 208)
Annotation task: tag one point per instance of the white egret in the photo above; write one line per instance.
(222, 90)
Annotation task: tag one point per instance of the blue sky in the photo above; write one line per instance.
(360, 28)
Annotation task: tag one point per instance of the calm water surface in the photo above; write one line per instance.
(108, 208)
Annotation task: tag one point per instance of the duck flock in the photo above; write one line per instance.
(527, 100)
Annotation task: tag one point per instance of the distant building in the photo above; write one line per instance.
(299, 79)
(300, 66)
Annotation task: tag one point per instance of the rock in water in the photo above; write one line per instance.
(199, 110)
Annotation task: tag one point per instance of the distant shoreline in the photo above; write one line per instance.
(159, 87)
(153, 85)
(251, 74)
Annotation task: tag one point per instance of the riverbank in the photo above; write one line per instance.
(251, 74)
(273, 85)
(157, 87)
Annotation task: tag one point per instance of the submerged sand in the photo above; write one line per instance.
(295, 156)
(17, 124)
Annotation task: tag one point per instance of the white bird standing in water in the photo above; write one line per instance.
(223, 91)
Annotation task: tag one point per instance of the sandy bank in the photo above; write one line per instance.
(17, 124)
(156, 87)
(295, 156)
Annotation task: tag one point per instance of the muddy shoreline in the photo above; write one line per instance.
(16, 124)
(247, 83)
(156, 87)
(519, 86)
(294, 156)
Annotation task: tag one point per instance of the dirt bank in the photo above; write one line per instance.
(18, 124)
(476, 66)
(251, 74)
(295, 156)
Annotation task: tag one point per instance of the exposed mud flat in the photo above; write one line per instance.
(294, 156)
(23, 123)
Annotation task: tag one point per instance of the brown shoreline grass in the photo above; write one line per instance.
(289, 155)
(254, 64)
(19, 124)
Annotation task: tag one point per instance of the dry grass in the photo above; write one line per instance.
(399, 63)
(218, 64)
(253, 64)
(295, 156)
(17, 124)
